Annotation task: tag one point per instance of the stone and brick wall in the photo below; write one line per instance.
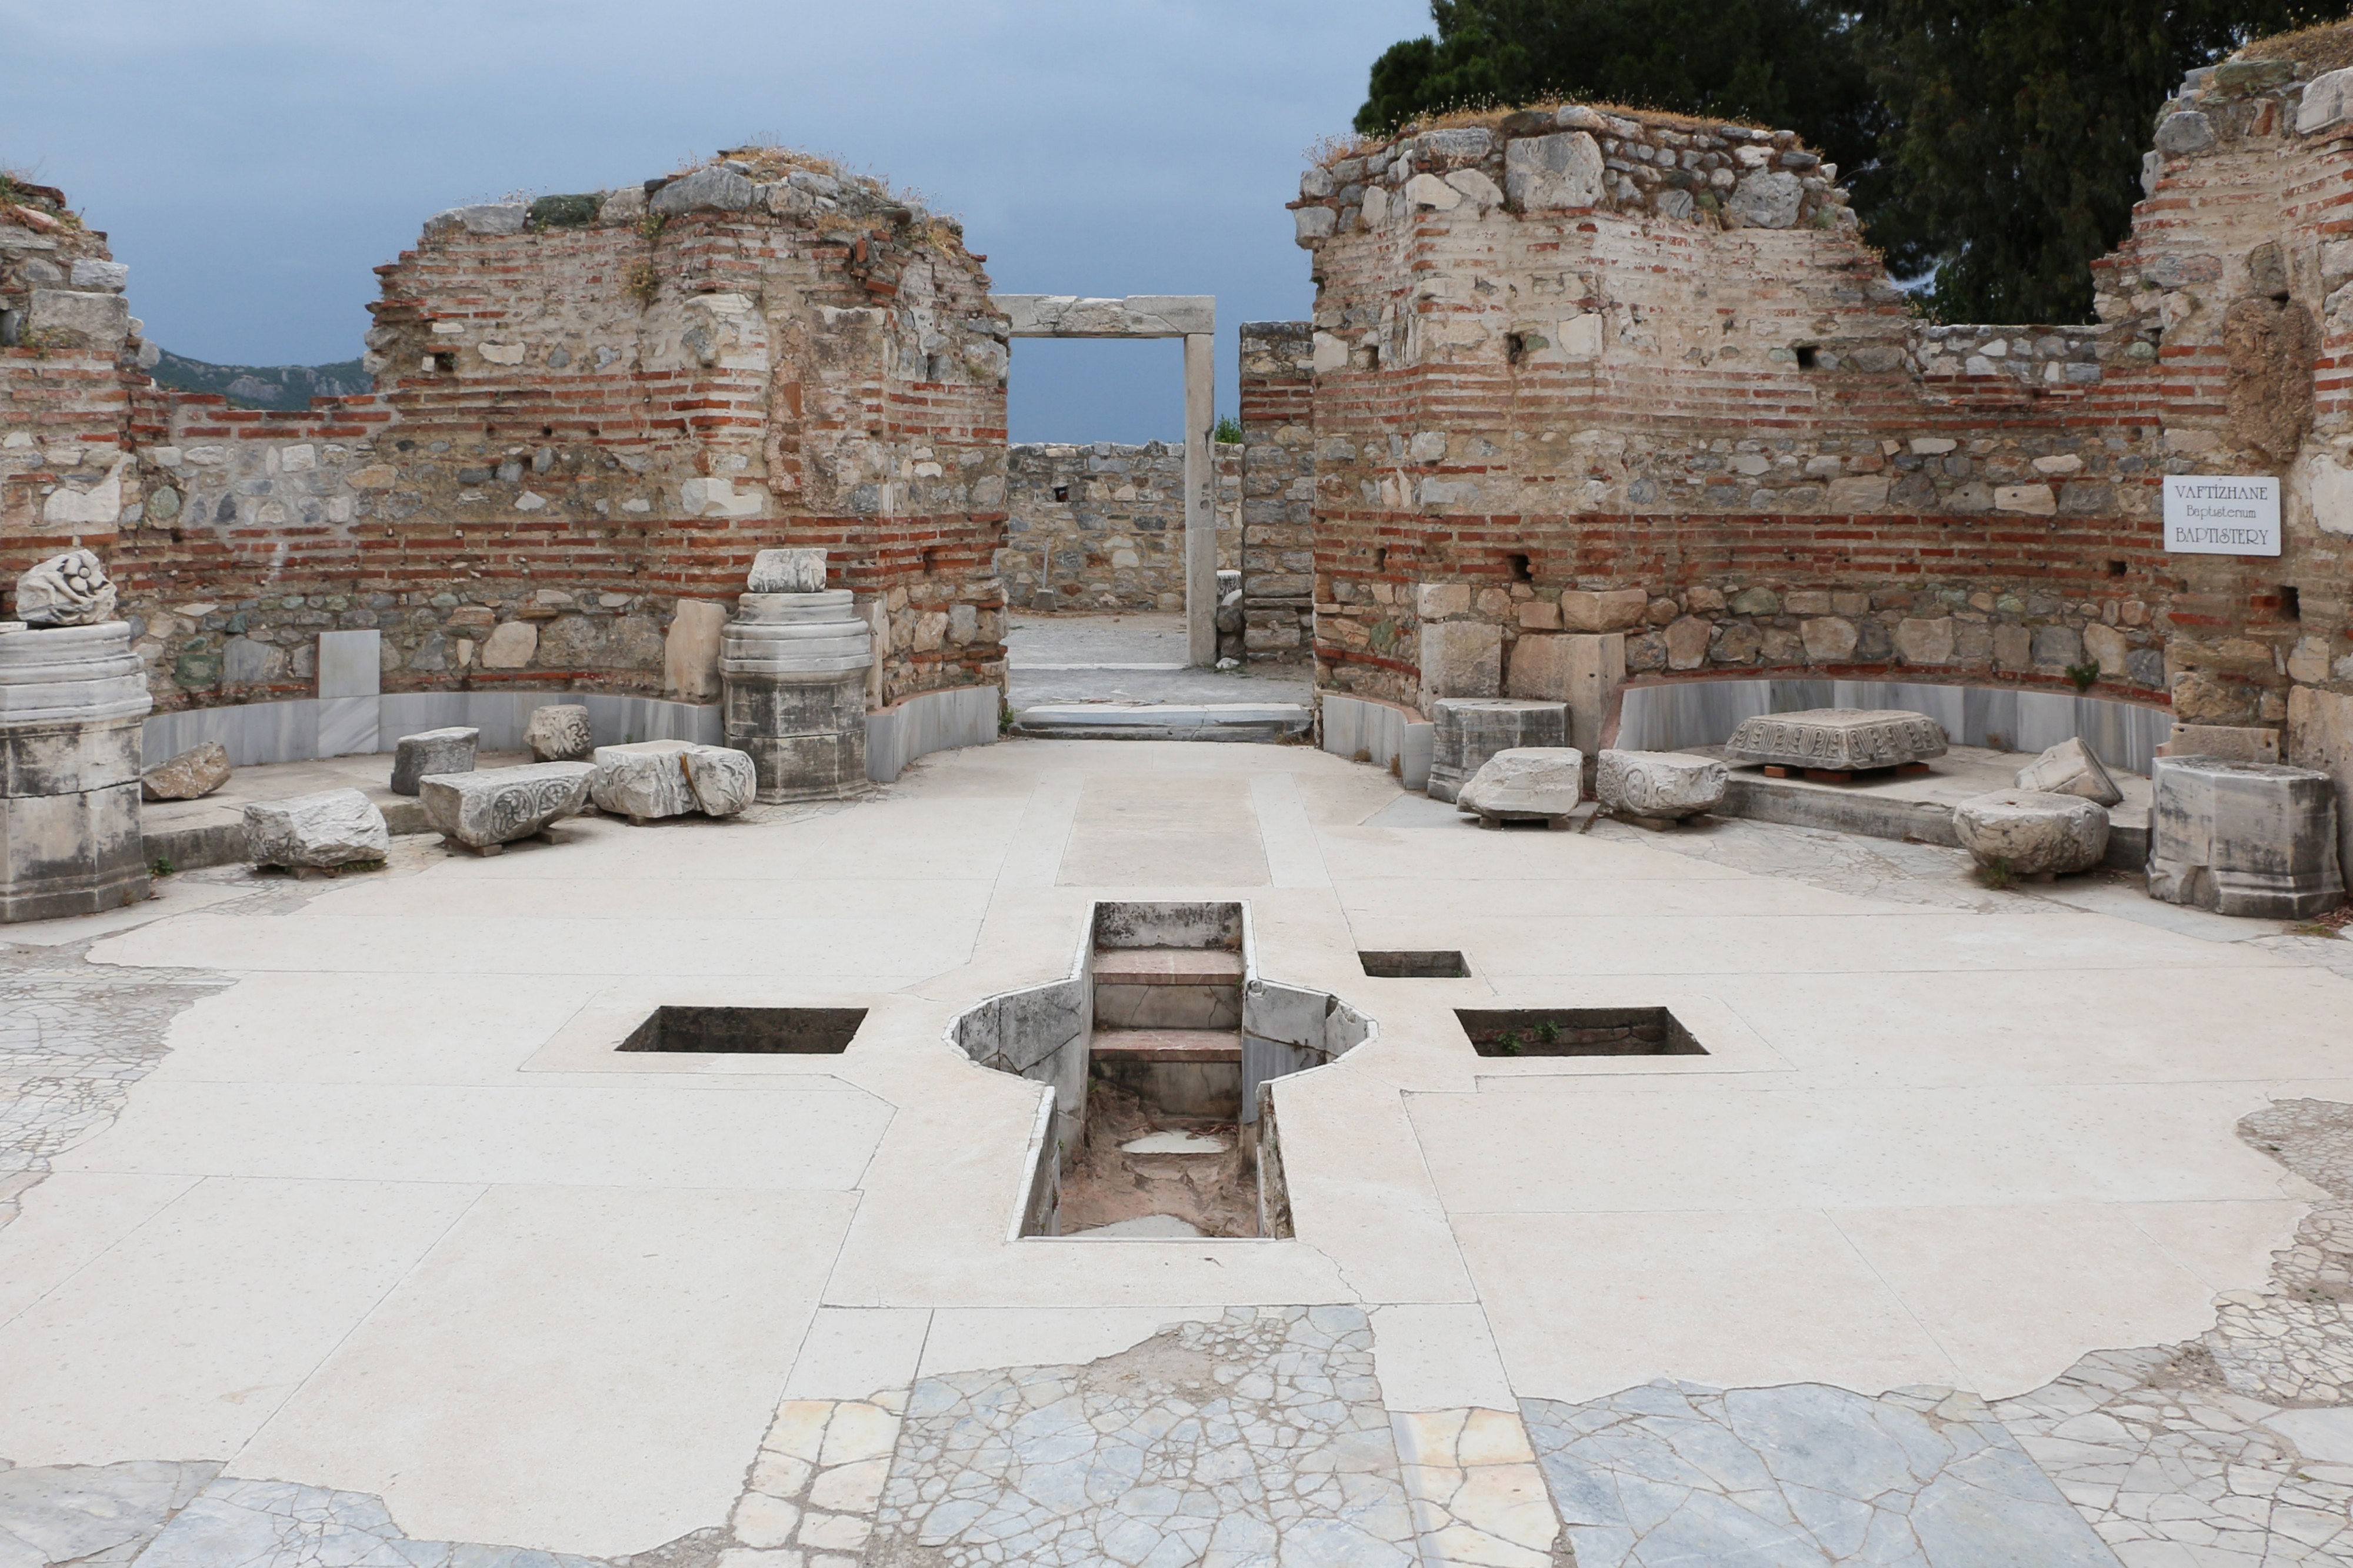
(1101, 526)
(592, 410)
(1278, 557)
(1636, 374)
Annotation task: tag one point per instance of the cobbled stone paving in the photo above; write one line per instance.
(74, 1038)
(1256, 1439)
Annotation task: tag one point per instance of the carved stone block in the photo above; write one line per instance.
(2073, 768)
(1662, 785)
(335, 828)
(499, 805)
(2032, 831)
(1526, 781)
(430, 751)
(2243, 839)
(193, 774)
(1841, 740)
(1467, 730)
(560, 732)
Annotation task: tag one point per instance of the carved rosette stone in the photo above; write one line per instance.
(498, 806)
(1663, 785)
(1838, 740)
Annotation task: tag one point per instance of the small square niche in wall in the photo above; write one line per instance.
(753, 1031)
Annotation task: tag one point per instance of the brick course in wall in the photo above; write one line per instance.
(1551, 395)
(589, 410)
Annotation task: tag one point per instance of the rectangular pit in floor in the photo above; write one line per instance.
(1435, 964)
(1576, 1032)
(752, 1031)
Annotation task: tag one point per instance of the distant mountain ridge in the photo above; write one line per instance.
(284, 386)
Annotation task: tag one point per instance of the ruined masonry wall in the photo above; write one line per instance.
(1101, 526)
(1278, 375)
(1584, 372)
(593, 411)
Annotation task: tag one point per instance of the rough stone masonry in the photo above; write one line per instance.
(592, 409)
(1635, 376)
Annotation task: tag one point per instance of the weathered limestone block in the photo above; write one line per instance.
(71, 702)
(2071, 768)
(2238, 742)
(67, 590)
(560, 732)
(2243, 839)
(2035, 832)
(449, 751)
(1461, 658)
(498, 806)
(335, 828)
(1553, 174)
(1525, 780)
(787, 571)
(724, 781)
(1766, 198)
(1663, 787)
(2320, 735)
(1840, 739)
(193, 774)
(690, 652)
(1613, 610)
(1468, 731)
(653, 779)
(1582, 670)
(644, 781)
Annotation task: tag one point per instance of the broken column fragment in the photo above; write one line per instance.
(794, 663)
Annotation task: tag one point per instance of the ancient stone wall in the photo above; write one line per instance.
(1278, 560)
(1635, 375)
(592, 411)
(1101, 526)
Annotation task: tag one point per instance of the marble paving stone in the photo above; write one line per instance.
(1257, 1439)
(1675, 1473)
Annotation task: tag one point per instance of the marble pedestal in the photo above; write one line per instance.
(1471, 730)
(71, 700)
(793, 668)
(2243, 839)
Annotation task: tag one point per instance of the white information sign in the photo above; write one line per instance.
(2222, 514)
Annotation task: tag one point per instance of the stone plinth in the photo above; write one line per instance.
(71, 700)
(2243, 839)
(649, 780)
(2035, 832)
(1470, 729)
(1659, 786)
(1838, 740)
(1525, 782)
(794, 666)
(496, 807)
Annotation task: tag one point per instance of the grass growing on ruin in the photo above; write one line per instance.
(1997, 874)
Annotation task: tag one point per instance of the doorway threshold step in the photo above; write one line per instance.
(1166, 967)
(1165, 721)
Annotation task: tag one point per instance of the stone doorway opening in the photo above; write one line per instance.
(747, 1031)
(1577, 1032)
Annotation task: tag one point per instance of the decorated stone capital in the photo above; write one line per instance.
(67, 590)
(1665, 785)
(1840, 739)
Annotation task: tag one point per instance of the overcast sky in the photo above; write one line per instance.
(253, 160)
